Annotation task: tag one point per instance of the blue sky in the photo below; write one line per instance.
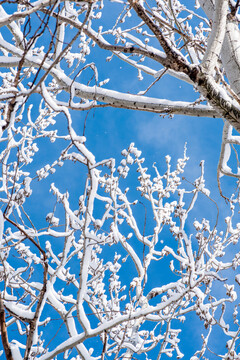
(110, 130)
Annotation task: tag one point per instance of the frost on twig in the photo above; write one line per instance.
(115, 267)
(100, 238)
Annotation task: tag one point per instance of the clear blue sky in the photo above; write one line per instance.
(110, 130)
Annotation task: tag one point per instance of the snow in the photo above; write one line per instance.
(15, 351)
(20, 310)
(90, 256)
(1, 226)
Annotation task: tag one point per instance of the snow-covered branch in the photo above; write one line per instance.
(110, 264)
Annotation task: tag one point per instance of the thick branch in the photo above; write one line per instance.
(115, 98)
(216, 37)
(175, 59)
(118, 50)
(4, 335)
(230, 54)
(227, 107)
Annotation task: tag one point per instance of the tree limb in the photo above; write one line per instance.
(4, 334)
(216, 38)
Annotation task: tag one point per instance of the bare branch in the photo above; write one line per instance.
(4, 335)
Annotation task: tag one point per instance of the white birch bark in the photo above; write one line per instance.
(230, 53)
(216, 37)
